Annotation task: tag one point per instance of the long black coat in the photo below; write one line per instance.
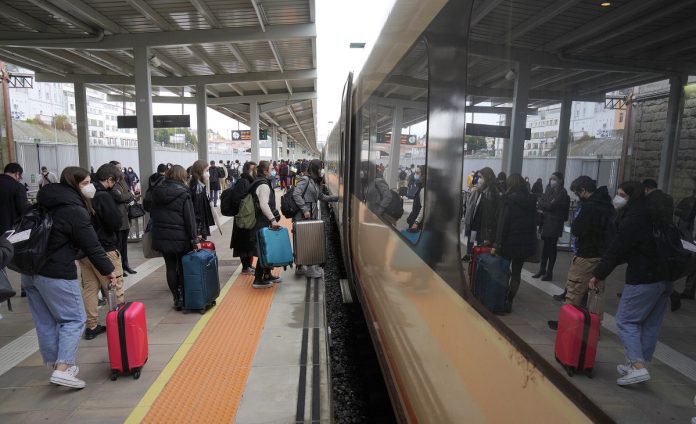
(173, 219)
(107, 219)
(13, 198)
(122, 195)
(516, 225)
(72, 231)
(243, 243)
(554, 204)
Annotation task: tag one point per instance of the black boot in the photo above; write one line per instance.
(675, 301)
(548, 277)
(539, 273)
(560, 297)
(687, 295)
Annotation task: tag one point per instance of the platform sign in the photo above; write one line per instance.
(158, 121)
(404, 139)
(245, 135)
(495, 131)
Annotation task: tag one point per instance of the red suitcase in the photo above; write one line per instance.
(126, 334)
(576, 339)
(475, 253)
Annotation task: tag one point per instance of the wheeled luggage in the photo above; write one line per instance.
(201, 282)
(576, 339)
(126, 336)
(274, 247)
(411, 236)
(491, 282)
(309, 242)
(475, 253)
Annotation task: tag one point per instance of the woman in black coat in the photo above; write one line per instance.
(243, 243)
(173, 227)
(554, 205)
(201, 202)
(516, 237)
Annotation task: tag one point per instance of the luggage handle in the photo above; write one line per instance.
(111, 298)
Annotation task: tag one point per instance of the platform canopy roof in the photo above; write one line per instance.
(243, 50)
(576, 49)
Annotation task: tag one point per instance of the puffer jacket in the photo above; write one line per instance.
(516, 236)
(107, 219)
(123, 195)
(306, 195)
(591, 226)
(173, 219)
(72, 231)
(554, 204)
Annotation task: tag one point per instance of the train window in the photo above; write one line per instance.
(398, 144)
(364, 135)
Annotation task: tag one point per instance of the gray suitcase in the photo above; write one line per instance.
(309, 242)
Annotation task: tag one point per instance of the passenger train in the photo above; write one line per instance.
(436, 63)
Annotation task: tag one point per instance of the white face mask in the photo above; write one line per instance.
(206, 175)
(553, 183)
(619, 202)
(88, 191)
(321, 173)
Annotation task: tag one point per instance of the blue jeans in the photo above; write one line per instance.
(59, 315)
(639, 318)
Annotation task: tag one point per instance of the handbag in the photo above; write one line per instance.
(135, 210)
(536, 257)
(6, 290)
(146, 242)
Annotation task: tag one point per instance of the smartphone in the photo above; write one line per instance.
(7, 234)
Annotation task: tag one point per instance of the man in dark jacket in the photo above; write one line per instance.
(591, 232)
(13, 196)
(660, 204)
(106, 221)
(155, 180)
(123, 196)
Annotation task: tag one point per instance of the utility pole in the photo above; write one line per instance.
(7, 152)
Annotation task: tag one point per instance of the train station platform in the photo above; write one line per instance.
(259, 356)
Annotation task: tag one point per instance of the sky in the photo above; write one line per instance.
(338, 24)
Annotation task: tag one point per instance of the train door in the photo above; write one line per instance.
(346, 160)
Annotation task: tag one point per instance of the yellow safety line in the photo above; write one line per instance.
(143, 407)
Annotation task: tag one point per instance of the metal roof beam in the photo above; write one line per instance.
(26, 20)
(240, 57)
(236, 89)
(63, 16)
(259, 15)
(205, 11)
(249, 77)
(262, 87)
(150, 13)
(297, 124)
(483, 10)
(288, 86)
(29, 63)
(275, 105)
(652, 38)
(545, 15)
(89, 14)
(101, 59)
(73, 60)
(595, 26)
(226, 100)
(176, 69)
(165, 38)
(199, 53)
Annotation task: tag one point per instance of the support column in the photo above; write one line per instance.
(563, 135)
(82, 125)
(202, 121)
(285, 153)
(254, 124)
(670, 145)
(395, 148)
(519, 117)
(274, 143)
(8, 152)
(143, 111)
(505, 162)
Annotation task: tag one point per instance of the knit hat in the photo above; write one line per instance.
(558, 175)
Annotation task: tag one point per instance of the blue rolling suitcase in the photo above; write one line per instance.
(274, 247)
(491, 279)
(201, 282)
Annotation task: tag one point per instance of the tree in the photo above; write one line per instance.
(475, 143)
(62, 122)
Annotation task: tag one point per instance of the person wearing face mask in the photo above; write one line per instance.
(266, 215)
(415, 218)
(47, 177)
(199, 196)
(134, 180)
(554, 205)
(483, 206)
(54, 294)
(306, 195)
(646, 293)
(592, 231)
(106, 221)
(123, 196)
(243, 243)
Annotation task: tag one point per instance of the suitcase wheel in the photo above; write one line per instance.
(202, 311)
(588, 373)
(114, 375)
(569, 371)
(136, 374)
(214, 303)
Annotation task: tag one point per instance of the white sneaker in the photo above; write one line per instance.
(73, 370)
(634, 376)
(66, 378)
(623, 369)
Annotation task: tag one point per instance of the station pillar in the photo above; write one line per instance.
(202, 121)
(563, 135)
(505, 162)
(670, 145)
(286, 150)
(395, 147)
(274, 143)
(254, 124)
(82, 124)
(519, 117)
(143, 110)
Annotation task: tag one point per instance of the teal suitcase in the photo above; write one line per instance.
(201, 281)
(274, 247)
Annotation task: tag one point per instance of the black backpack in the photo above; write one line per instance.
(31, 254)
(670, 251)
(232, 197)
(288, 207)
(395, 209)
(147, 200)
(403, 175)
(235, 171)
